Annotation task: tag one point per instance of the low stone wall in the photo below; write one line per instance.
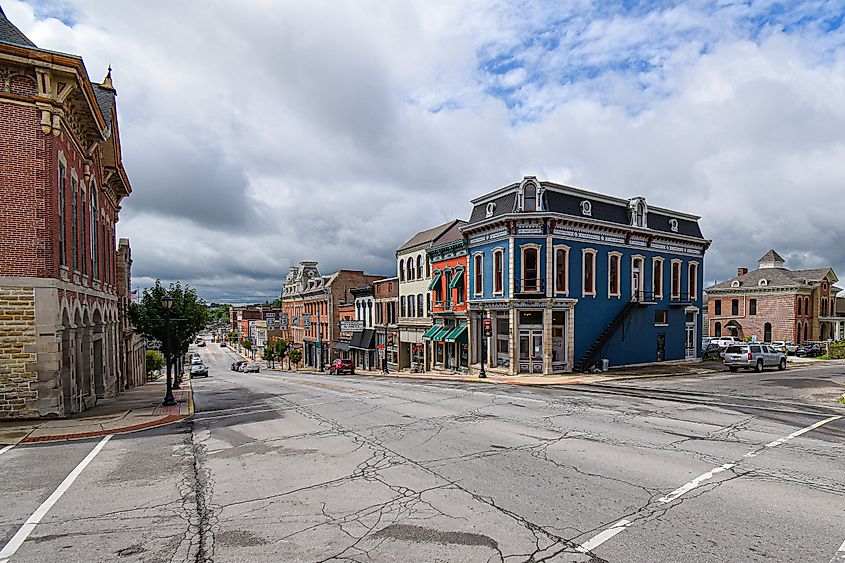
(17, 363)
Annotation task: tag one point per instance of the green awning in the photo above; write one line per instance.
(459, 274)
(456, 334)
(432, 331)
(442, 334)
(435, 280)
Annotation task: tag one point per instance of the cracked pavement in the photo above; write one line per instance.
(280, 466)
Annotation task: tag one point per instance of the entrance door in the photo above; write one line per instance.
(636, 279)
(690, 341)
(661, 347)
(531, 350)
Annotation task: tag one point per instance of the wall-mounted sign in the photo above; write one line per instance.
(306, 321)
(351, 326)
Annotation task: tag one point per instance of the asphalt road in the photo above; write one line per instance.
(295, 467)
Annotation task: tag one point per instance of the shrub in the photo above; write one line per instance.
(837, 352)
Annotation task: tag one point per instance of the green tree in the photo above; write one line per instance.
(247, 343)
(189, 315)
(269, 354)
(154, 361)
(281, 348)
(295, 356)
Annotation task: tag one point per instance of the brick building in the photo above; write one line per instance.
(774, 303)
(61, 182)
(386, 293)
(309, 298)
(132, 347)
(448, 338)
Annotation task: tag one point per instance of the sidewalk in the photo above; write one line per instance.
(137, 409)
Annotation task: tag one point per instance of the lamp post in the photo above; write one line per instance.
(486, 330)
(385, 347)
(167, 303)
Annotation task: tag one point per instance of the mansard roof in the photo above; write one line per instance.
(568, 200)
(9, 33)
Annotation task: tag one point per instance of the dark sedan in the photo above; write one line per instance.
(809, 350)
(199, 370)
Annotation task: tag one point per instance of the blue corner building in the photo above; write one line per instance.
(569, 277)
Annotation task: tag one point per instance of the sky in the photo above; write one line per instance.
(260, 133)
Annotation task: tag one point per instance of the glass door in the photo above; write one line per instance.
(690, 341)
(531, 350)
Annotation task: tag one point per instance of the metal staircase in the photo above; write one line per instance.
(585, 362)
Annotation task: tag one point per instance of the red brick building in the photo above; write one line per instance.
(448, 337)
(61, 182)
(774, 303)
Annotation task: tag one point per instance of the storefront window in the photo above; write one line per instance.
(531, 317)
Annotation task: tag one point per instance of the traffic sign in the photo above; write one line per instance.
(306, 321)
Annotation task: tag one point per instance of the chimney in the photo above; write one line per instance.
(741, 271)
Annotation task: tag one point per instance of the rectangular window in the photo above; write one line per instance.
(589, 271)
(61, 208)
(93, 228)
(502, 337)
(561, 270)
(530, 269)
(752, 307)
(692, 280)
(657, 278)
(661, 317)
(83, 235)
(734, 307)
(498, 272)
(478, 274)
(717, 307)
(676, 278)
(74, 221)
(613, 275)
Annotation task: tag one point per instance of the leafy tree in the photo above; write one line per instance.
(247, 343)
(281, 348)
(277, 302)
(269, 354)
(295, 356)
(189, 315)
(232, 336)
(154, 361)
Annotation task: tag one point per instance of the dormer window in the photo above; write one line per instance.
(638, 212)
(763, 282)
(530, 197)
(491, 208)
(586, 208)
(735, 283)
(673, 225)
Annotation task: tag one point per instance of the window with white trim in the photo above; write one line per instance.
(530, 268)
(61, 197)
(692, 280)
(498, 272)
(657, 277)
(614, 276)
(588, 272)
(562, 269)
(478, 274)
(676, 278)
(402, 269)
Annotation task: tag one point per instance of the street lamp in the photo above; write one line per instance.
(485, 333)
(167, 303)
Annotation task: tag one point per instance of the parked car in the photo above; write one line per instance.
(340, 366)
(712, 352)
(236, 366)
(725, 341)
(199, 370)
(249, 367)
(754, 356)
(195, 360)
(809, 350)
(785, 346)
(201, 343)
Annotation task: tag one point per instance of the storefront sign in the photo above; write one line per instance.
(351, 326)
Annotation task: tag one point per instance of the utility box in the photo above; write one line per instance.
(605, 364)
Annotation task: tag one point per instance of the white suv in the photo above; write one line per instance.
(725, 341)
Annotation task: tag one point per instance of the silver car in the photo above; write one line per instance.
(754, 356)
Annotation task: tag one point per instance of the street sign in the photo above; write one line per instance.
(351, 326)
(488, 328)
(381, 353)
(295, 320)
(306, 321)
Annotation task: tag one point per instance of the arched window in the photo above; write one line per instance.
(824, 307)
(530, 269)
(420, 308)
(411, 273)
(427, 267)
(420, 266)
(718, 330)
(640, 217)
(498, 272)
(530, 197)
(478, 274)
(411, 302)
(403, 307)
(767, 332)
(806, 331)
(799, 306)
(807, 311)
(561, 270)
(402, 269)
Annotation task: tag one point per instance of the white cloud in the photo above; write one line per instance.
(258, 134)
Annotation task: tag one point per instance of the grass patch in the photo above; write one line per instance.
(841, 399)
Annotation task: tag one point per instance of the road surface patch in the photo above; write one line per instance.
(23, 533)
(840, 555)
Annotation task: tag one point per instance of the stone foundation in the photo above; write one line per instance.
(18, 378)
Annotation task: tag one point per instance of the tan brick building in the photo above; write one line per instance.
(61, 183)
(774, 303)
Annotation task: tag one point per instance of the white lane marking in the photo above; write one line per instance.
(608, 533)
(695, 483)
(6, 449)
(17, 540)
(603, 536)
(840, 555)
(780, 441)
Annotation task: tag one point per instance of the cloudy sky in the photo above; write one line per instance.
(259, 133)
